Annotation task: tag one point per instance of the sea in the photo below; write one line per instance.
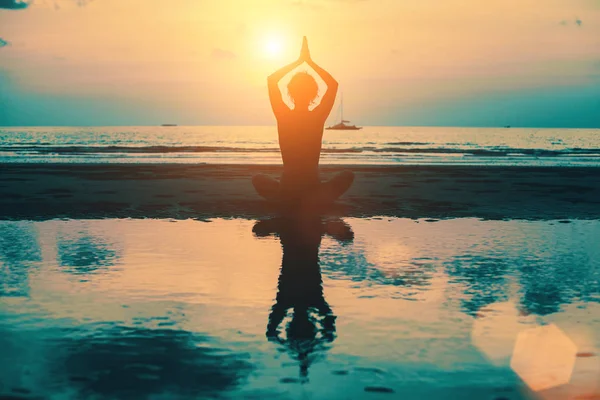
(259, 145)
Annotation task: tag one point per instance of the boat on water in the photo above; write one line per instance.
(343, 125)
(169, 125)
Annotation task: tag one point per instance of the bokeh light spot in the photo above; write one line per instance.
(544, 357)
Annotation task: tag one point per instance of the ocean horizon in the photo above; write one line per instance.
(258, 145)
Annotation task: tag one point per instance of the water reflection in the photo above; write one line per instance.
(547, 281)
(484, 278)
(544, 265)
(19, 252)
(117, 362)
(86, 254)
(407, 276)
(475, 287)
(560, 278)
(300, 287)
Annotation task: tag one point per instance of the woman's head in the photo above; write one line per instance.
(303, 89)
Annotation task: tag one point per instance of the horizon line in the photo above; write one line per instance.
(275, 126)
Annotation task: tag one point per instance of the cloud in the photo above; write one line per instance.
(80, 3)
(577, 22)
(13, 4)
(21, 4)
(222, 54)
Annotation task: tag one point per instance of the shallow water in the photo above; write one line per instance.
(362, 308)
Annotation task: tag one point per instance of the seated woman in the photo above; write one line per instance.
(300, 135)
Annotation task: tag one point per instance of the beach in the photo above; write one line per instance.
(122, 278)
(46, 191)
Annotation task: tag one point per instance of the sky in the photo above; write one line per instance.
(529, 63)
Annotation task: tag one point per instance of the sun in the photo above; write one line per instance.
(273, 47)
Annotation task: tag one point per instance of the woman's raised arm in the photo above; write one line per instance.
(277, 103)
(324, 108)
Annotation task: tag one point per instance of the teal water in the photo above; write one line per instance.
(362, 308)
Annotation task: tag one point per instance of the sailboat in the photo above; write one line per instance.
(341, 126)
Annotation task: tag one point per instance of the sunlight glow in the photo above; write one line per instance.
(273, 47)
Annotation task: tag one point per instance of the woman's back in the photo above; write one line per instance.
(300, 138)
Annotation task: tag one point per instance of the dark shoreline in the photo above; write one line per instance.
(89, 191)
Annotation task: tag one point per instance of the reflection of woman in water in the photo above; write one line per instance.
(300, 134)
(300, 285)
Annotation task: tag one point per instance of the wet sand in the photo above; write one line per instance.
(39, 191)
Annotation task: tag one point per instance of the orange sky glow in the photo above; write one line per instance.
(207, 62)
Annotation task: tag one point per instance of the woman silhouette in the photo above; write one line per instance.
(300, 134)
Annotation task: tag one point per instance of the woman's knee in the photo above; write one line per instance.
(340, 183)
(261, 180)
(345, 178)
(265, 186)
(257, 179)
(348, 175)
